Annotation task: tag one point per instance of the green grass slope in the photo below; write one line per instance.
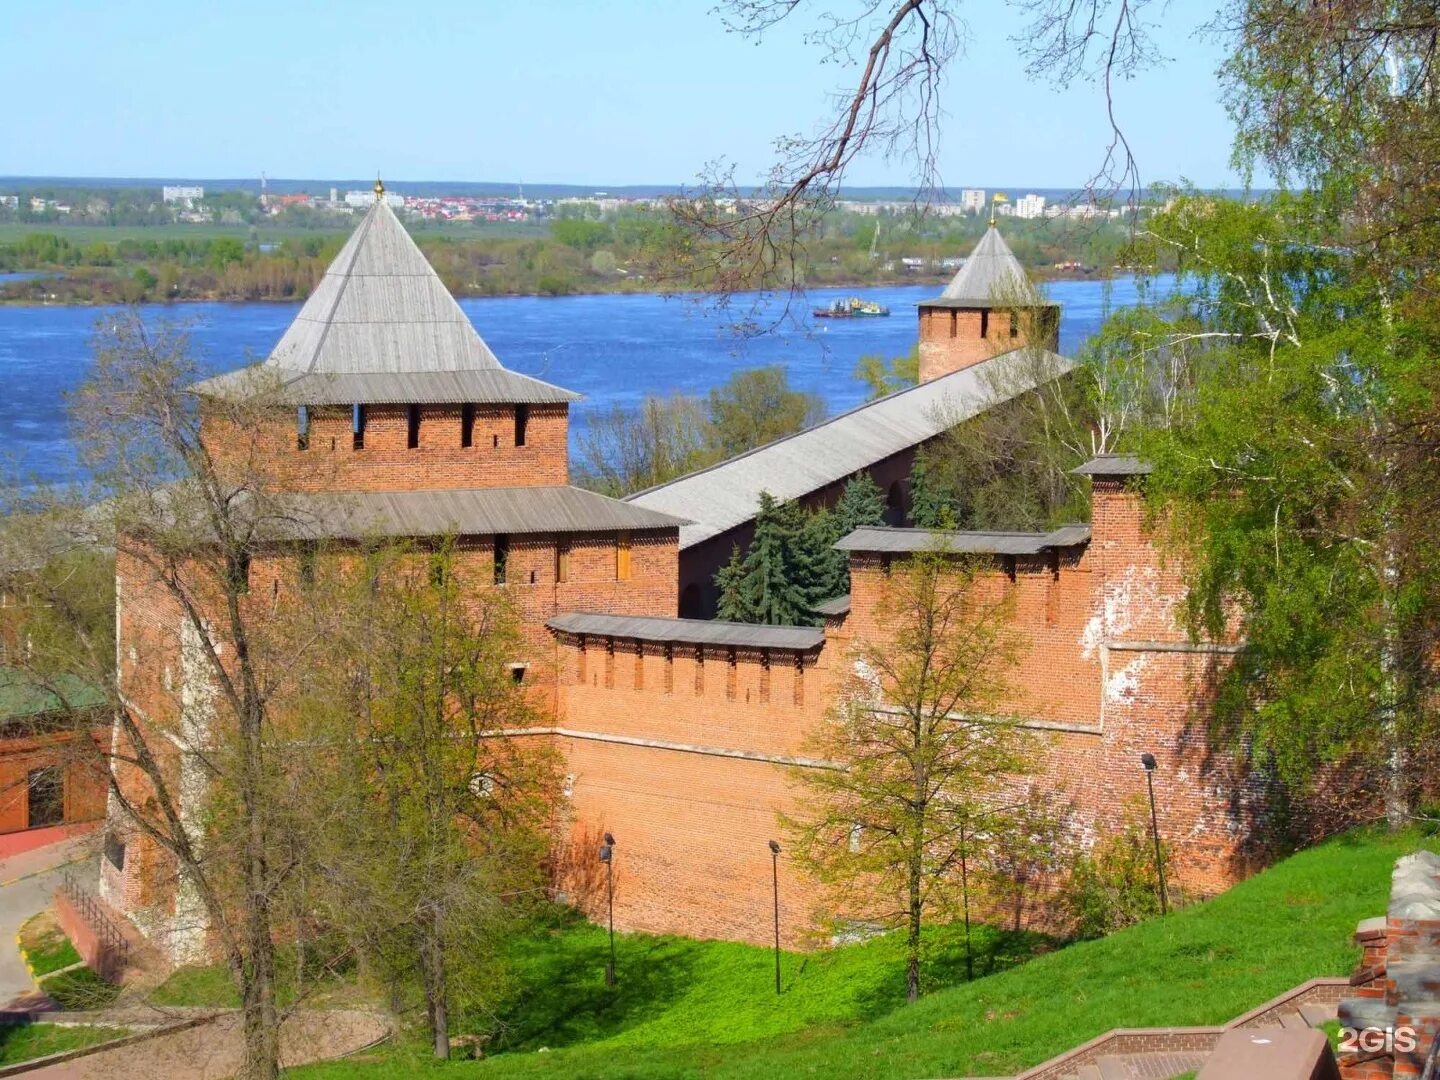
(692, 1009)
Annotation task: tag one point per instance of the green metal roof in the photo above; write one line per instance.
(23, 695)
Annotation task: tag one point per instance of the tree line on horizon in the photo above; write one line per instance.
(572, 253)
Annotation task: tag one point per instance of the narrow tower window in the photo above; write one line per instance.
(412, 427)
(357, 426)
(1014, 324)
(502, 559)
(302, 428)
(522, 421)
(308, 553)
(562, 561)
(622, 557)
(467, 426)
(984, 323)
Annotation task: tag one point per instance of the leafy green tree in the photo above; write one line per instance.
(1011, 466)
(924, 755)
(436, 820)
(226, 250)
(581, 233)
(758, 406)
(1293, 478)
(885, 377)
(624, 450)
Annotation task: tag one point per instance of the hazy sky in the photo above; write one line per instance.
(599, 92)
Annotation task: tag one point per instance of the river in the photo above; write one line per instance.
(610, 348)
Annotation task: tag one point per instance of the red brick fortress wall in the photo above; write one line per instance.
(687, 754)
(683, 752)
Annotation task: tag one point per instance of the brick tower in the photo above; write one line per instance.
(385, 415)
(988, 308)
(394, 390)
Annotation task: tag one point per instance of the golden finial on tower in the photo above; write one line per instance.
(379, 188)
(995, 200)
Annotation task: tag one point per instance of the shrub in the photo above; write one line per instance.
(1115, 884)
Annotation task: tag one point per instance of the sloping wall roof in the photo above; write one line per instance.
(906, 541)
(1114, 465)
(380, 318)
(725, 495)
(690, 631)
(469, 511)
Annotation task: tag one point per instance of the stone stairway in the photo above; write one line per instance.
(1155, 1055)
(1145, 1066)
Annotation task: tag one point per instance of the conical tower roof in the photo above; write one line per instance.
(991, 272)
(381, 327)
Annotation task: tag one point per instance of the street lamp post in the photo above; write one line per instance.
(775, 879)
(1147, 759)
(607, 856)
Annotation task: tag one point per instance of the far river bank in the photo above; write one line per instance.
(29, 288)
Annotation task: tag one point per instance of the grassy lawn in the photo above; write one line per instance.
(44, 946)
(80, 990)
(696, 1009)
(24, 1042)
(212, 985)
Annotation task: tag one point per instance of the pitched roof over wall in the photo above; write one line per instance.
(907, 541)
(728, 494)
(991, 272)
(690, 631)
(1114, 465)
(381, 327)
(470, 511)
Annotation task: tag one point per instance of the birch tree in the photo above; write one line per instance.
(920, 756)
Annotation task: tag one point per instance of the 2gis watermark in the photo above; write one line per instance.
(1400, 1039)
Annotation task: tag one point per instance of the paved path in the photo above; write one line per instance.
(212, 1051)
(27, 881)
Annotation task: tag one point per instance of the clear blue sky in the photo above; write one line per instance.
(598, 92)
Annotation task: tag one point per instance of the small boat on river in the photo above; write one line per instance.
(853, 308)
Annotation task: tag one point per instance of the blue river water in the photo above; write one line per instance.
(611, 348)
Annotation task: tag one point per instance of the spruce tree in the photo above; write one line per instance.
(931, 506)
(727, 581)
(860, 504)
(764, 586)
(822, 571)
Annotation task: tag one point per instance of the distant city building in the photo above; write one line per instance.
(972, 200)
(10, 201)
(1031, 206)
(361, 199)
(182, 193)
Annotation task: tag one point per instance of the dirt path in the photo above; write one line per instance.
(212, 1051)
